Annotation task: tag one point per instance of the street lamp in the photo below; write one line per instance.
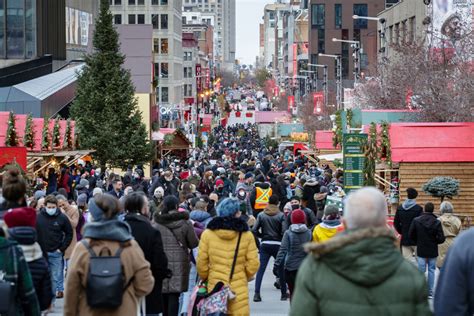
(356, 45)
(338, 78)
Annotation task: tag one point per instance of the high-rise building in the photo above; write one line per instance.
(225, 27)
(273, 34)
(165, 17)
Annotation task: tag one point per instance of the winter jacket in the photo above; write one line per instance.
(15, 270)
(178, 238)
(216, 254)
(310, 188)
(451, 227)
(455, 287)
(54, 232)
(327, 229)
(72, 214)
(426, 231)
(404, 216)
(359, 272)
(135, 268)
(270, 225)
(311, 220)
(149, 240)
(40, 273)
(202, 217)
(291, 253)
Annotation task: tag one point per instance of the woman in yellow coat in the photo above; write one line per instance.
(216, 254)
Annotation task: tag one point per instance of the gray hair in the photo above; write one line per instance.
(365, 208)
(61, 197)
(446, 207)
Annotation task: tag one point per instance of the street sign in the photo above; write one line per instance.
(354, 161)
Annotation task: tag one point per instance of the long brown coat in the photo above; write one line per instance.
(134, 266)
(451, 227)
(72, 214)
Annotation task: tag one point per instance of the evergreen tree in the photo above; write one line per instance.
(29, 138)
(67, 143)
(105, 108)
(56, 133)
(371, 156)
(442, 187)
(45, 141)
(11, 139)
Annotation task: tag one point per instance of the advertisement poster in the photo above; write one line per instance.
(318, 102)
(452, 20)
(291, 102)
(77, 26)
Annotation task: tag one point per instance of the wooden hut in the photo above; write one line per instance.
(171, 141)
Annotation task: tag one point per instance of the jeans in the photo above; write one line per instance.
(186, 296)
(55, 261)
(267, 251)
(431, 263)
(171, 304)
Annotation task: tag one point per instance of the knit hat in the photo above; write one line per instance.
(248, 175)
(39, 194)
(83, 183)
(96, 212)
(25, 216)
(96, 191)
(219, 182)
(330, 210)
(298, 217)
(228, 207)
(82, 199)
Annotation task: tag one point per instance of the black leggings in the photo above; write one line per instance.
(171, 304)
(290, 278)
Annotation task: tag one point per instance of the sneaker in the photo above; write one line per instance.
(284, 297)
(277, 285)
(257, 298)
(59, 294)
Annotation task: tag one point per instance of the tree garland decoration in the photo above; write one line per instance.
(371, 156)
(349, 116)
(11, 139)
(168, 139)
(56, 133)
(67, 143)
(29, 138)
(337, 138)
(77, 137)
(45, 139)
(386, 148)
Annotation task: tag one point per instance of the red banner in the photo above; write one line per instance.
(208, 78)
(10, 155)
(318, 102)
(198, 78)
(291, 102)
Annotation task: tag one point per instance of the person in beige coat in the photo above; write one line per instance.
(107, 232)
(72, 214)
(451, 227)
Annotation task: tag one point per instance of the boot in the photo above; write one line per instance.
(257, 298)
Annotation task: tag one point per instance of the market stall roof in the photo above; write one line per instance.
(182, 143)
(432, 142)
(272, 117)
(324, 140)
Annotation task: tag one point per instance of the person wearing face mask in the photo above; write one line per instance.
(295, 204)
(54, 236)
(170, 183)
(156, 200)
(206, 186)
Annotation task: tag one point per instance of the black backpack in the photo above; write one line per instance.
(105, 280)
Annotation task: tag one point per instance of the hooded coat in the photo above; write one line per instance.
(426, 231)
(216, 254)
(404, 216)
(327, 229)
(451, 227)
(359, 272)
(179, 238)
(291, 253)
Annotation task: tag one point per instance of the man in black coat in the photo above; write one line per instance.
(402, 222)
(149, 239)
(427, 232)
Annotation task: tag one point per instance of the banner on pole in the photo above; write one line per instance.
(318, 102)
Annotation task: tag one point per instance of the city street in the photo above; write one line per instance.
(270, 305)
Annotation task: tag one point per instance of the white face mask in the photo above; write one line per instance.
(51, 211)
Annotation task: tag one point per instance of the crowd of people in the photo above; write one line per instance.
(126, 244)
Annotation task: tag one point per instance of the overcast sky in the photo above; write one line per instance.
(249, 16)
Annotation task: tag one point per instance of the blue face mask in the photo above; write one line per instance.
(51, 211)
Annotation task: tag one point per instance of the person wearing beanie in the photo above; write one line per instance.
(291, 253)
(83, 188)
(427, 233)
(97, 191)
(21, 223)
(330, 226)
(217, 249)
(219, 189)
(39, 194)
(295, 204)
(404, 217)
(270, 227)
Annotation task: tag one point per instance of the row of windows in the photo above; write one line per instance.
(200, 1)
(159, 21)
(160, 46)
(403, 32)
(138, 2)
(318, 15)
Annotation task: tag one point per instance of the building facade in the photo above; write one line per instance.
(273, 34)
(166, 20)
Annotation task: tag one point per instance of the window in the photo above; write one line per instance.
(164, 46)
(131, 2)
(131, 19)
(141, 2)
(141, 19)
(164, 70)
(321, 41)
(155, 21)
(338, 15)
(164, 2)
(164, 21)
(156, 45)
(118, 19)
(116, 2)
(404, 32)
(345, 54)
(396, 35)
(188, 72)
(318, 15)
(360, 10)
(390, 34)
(356, 35)
(188, 56)
(164, 95)
(188, 90)
(412, 30)
(183, 20)
(155, 2)
(156, 69)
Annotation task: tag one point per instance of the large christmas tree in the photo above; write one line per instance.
(11, 139)
(29, 138)
(105, 108)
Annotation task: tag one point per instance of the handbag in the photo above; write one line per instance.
(217, 300)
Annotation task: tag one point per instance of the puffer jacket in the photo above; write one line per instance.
(451, 227)
(178, 239)
(40, 273)
(291, 253)
(359, 272)
(202, 217)
(271, 224)
(327, 229)
(216, 254)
